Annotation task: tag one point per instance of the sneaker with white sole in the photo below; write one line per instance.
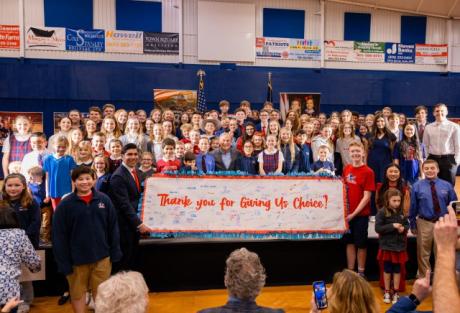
(387, 297)
(395, 298)
(23, 308)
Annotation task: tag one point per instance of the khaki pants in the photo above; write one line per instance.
(425, 244)
(88, 277)
(45, 229)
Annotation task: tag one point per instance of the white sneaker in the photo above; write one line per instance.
(395, 298)
(23, 308)
(91, 305)
(387, 298)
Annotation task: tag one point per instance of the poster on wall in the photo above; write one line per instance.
(85, 40)
(122, 41)
(369, 52)
(9, 37)
(302, 49)
(175, 100)
(272, 48)
(263, 207)
(399, 53)
(7, 122)
(57, 116)
(339, 50)
(161, 43)
(288, 49)
(301, 102)
(431, 54)
(45, 38)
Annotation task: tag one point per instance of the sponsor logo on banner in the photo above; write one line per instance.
(121, 41)
(339, 50)
(369, 52)
(9, 37)
(431, 54)
(301, 49)
(161, 43)
(85, 40)
(272, 48)
(45, 38)
(288, 49)
(399, 53)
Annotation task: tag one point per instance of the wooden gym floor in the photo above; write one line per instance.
(293, 299)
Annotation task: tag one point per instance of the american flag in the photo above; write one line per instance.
(269, 88)
(201, 105)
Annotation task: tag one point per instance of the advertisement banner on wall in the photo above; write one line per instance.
(431, 54)
(85, 40)
(45, 38)
(122, 41)
(161, 43)
(288, 49)
(283, 207)
(339, 50)
(301, 49)
(9, 37)
(399, 53)
(369, 52)
(272, 48)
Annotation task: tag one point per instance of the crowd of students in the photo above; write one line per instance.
(389, 164)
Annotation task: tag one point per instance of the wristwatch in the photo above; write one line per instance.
(414, 299)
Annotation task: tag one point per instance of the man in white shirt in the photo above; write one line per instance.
(442, 142)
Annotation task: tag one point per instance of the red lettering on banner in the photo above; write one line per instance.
(203, 202)
(280, 202)
(251, 203)
(225, 202)
(166, 200)
(301, 203)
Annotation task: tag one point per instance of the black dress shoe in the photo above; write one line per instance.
(64, 298)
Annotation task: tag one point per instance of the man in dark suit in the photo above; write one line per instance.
(125, 192)
(227, 158)
(421, 113)
(244, 279)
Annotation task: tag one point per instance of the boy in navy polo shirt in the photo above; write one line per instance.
(359, 179)
(86, 238)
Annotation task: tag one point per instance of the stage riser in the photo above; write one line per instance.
(198, 266)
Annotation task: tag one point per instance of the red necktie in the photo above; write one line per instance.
(263, 129)
(136, 179)
(434, 196)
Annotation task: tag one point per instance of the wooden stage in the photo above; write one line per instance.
(293, 299)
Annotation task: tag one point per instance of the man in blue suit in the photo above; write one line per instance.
(226, 157)
(125, 192)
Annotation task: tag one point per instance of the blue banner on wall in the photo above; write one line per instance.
(85, 40)
(399, 53)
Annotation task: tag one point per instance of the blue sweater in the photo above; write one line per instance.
(29, 220)
(249, 165)
(38, 191)
(85, 234)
